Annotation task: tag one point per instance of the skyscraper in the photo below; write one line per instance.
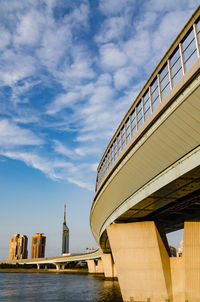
(18, 247)
(65, 235)
(38, 246)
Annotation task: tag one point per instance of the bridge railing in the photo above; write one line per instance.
(180, 57)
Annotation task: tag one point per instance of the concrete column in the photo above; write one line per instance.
(142, 261)
(177, 275)
(38, 266)
(91, 266)
(58, 266)
(108, 265)
(99, 267)
(191, 260)
(114, 271)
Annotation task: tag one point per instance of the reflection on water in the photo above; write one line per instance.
(17, 287)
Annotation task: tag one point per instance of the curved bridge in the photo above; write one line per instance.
(148, 180)
(143, 173)
(61, 261)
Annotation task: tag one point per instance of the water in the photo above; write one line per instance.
(19, 287)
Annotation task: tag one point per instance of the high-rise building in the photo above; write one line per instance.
(38, 243)
(65, 235)
(18, 247)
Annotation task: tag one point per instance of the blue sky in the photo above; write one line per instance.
(69, 71)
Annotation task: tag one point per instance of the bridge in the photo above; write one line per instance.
(60, 261)
(148, 181)
(148, 184)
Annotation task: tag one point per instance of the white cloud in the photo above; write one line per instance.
(81, 184)
(54, 169)
(26, 119)
(93, 136)
(147, 22)
(32, 160)
(95, 93)
(15, 67)
(170, 5)
(63, 101)
(94, 166)
(138, 48)
(85, 151)
(169, 27)
(29, 28)
(54, 44)
(112, 28)
(5, 37)
(101, 95)
(58, 48)
(95, 113)
(20, 90)
(80, 69)
(77, 69)
(79, 16)
(123, 76)
(104, 79)
(112, 57)
(62, 149)
(13, 135)
(112, 7)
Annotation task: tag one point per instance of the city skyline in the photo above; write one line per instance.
(18, 246)
(68, 74)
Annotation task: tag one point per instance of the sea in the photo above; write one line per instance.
(37, 287)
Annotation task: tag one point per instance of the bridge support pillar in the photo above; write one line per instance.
(59, 266)
(108, 265)
(142, 261)
(191, 260)
(91, 266)
(99, 267)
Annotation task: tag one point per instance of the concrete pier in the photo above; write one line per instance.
(142, 261)
(108, 266)
(145, 270)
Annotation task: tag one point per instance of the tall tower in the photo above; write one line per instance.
(65, 235)
(38, 243)
(18, 247)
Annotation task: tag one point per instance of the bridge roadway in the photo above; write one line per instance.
(59, 259)
(148, 181)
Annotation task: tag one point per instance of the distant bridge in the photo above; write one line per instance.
(59, 261)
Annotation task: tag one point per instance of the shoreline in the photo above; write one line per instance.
(44, 271)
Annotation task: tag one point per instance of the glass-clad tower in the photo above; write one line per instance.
(65, 235)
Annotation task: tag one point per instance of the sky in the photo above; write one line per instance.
(69, 71)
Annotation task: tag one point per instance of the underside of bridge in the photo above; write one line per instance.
(170, 206)
(180, 201)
